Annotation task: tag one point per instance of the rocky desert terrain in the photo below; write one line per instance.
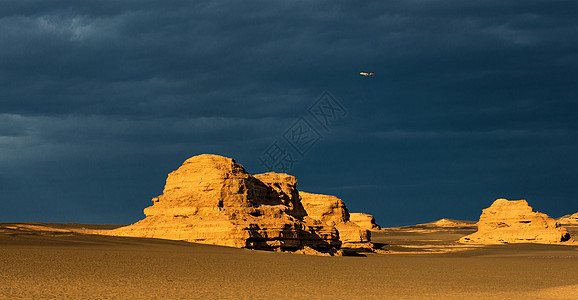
(220, 232)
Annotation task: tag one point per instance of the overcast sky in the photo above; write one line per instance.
(470, 102)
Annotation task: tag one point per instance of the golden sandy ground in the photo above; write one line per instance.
(65, 261)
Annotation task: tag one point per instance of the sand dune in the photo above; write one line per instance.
(61, 260)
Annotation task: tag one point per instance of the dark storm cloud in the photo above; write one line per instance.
(459, 87)
(12, 125)
(182, 52)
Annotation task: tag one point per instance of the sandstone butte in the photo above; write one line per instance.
(569, 219)
(365, 221)
(516, 222)
(211, 199)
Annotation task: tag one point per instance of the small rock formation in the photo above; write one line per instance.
(515, 222)
(211, 199)
(331, 211)
(451, 223)
(365, 221)
(569, 219)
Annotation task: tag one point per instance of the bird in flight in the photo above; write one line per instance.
(366, 74)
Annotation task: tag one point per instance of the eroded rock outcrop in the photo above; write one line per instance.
(516, 222)
(365, 221)
(331, 211)
(212, 199)
(569, 220)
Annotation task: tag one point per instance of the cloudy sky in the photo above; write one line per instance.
(470, 101)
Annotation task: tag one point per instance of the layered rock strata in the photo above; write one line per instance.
(365, 221)
(516, 222)
(569, 220)
(331, 211)
(212, 199)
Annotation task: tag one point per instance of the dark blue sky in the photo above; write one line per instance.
(470, 102)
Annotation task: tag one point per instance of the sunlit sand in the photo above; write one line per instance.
(63, 260)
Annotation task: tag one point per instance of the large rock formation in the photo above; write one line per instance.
(516, 222)
(569, 220)
(365, 221)
(211, 199)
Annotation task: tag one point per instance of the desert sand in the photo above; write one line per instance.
(424, 261)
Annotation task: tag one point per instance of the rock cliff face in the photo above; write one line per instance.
(516, 222)
(281, 188)
(569, 220)
(211, 199)
(365, 221)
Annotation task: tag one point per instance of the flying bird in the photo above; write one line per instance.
(366, 74)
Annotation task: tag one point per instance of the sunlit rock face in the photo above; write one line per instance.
(516, 222)
(212, 199)
(569, 220)
(365, 221)
(282, 188)
(331, 211)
